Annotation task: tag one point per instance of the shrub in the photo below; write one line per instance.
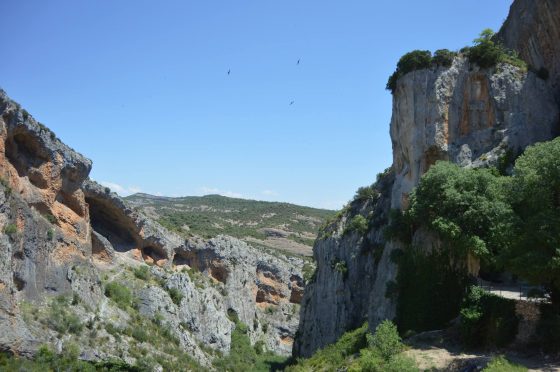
(61, 319)
(119, 293)
(49, 217)
(501, 364)
(309, 272)
(142, 272)
(366, 193)
(340, 266)
(176, 295)
(443, 57)
(139, 334)
(50, 234)
(415, 60)
(358, 223)
(386, 340)
(7, 188)
(487, 320)
(10, 229)
(486, 53)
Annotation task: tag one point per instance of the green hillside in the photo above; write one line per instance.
(288, 227)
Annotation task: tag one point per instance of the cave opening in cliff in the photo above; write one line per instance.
(113, 224)
(153, 254)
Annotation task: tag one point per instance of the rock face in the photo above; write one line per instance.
(467, 116)
(533, 29)
(463, 114)
(66, 237)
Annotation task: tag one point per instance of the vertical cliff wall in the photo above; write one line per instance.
(533, 29)
(463, 114)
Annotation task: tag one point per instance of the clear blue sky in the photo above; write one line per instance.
(141, 87)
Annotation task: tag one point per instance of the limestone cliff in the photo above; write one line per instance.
(464, 114)
(533, 29)
(65, 238)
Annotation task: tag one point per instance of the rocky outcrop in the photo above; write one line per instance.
(65, 237)
(463, 114)
(127, 230)
(263, 290)
(339, 296)
(533, 29)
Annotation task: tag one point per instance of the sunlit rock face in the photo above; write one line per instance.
(65, 235)
(462, 114)
(533, 29)
(465, 115)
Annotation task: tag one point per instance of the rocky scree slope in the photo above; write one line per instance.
(470, 116)
(74, 267)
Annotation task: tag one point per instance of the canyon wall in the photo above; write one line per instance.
(65, 236)
(470, 116)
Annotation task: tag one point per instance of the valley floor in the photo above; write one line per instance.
(435, 352)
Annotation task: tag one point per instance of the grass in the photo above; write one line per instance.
(501, 364)
(119, 293)
(10, 229)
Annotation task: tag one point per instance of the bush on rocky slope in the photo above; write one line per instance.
(359, 350)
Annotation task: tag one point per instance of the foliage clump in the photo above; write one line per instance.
(62, 319)
(501, 364)
(487, 320)
(412, 61)
(366, 193)
(10, 229)
(243, 356)
(512, 223)
(175, 294)
(466, 206)
(488, 53)
(359, 350)
(142, 272)
(358, 223)
(119, 293)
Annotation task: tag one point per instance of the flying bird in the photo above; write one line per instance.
(291, 102)
(297, 62)
(228, 72)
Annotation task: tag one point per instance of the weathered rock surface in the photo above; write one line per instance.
(64, 235)
(533, 29)
(263, 290)
(463, 114)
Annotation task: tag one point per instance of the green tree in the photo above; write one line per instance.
(386, 340)
(465, 206)
(535, 194)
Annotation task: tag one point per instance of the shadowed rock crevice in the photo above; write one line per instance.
(296, 294)
(113, 224)
(25, 153)
(153, 254)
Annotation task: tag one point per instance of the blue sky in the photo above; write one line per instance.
(141, 87)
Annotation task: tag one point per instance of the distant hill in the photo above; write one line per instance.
(288, 227)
